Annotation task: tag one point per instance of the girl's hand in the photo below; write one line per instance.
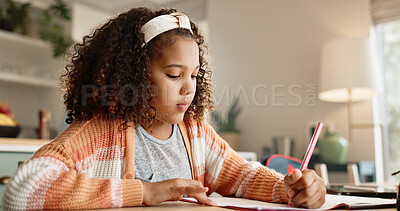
(173, 190)
(305, 189)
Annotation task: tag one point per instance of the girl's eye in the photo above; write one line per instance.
(172, 76)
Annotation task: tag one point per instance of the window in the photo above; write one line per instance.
(389, 37)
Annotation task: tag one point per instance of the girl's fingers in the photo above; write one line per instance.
(178, 198)
(308, 191)
(191, 190)
(203, 199)
(316, 201)
(306, 195)
(173, 190)
(318, 204)
(293, 177)
(306, 180)
(187, 186)
(195, 189)
(311, 196)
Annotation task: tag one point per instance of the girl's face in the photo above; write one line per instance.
(173, 75)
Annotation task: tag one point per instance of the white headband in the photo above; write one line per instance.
(164, 23)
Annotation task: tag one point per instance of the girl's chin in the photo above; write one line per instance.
(175, 119)
(178, 119)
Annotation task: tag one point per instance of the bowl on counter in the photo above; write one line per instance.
(9, 131)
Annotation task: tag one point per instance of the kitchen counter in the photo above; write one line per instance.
(21, 144)
(13, 151)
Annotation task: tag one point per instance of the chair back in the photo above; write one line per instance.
(281, 163)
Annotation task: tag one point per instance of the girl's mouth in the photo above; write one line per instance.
(182, 107)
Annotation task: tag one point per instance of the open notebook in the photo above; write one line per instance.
(332, 201)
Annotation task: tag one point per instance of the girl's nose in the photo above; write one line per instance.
(188, 88)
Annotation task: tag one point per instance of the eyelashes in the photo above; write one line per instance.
(172, 76)
(176, 77)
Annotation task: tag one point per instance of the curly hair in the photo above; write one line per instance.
(108, 73)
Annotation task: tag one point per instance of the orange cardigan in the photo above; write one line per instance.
(91, 165)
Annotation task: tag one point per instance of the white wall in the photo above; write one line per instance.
(86, 19)
(271, 43)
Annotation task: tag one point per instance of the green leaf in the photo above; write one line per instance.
(54, 32)
(60, 9)
(228, 125)
(17, 16)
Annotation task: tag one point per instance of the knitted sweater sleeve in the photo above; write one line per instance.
(51, 180)
(235, 176)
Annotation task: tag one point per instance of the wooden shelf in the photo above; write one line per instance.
(25, 41)
(28, 80)
(23, 141)
(18, 48)
(24, 52)
(23, 58)
(21, 144)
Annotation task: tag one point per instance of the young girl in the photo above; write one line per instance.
(137, 91)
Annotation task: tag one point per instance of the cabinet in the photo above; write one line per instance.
(14, 150)
(29, 76)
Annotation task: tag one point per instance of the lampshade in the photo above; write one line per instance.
(347, 64)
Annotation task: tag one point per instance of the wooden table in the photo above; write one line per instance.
(176, 205)
(180, 205)
(21, 144)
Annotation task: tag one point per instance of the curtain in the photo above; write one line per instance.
(383, 11)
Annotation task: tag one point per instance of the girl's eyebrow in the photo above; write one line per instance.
(180, 66)
(174, 65)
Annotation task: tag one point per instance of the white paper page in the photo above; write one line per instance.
(331, 202)
(355, 201)
(247, 203)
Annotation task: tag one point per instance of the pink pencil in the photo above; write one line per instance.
(311, 147)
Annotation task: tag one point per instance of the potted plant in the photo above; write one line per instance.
(14, 16)
(226, 124)
(52, 30)
(4, 20)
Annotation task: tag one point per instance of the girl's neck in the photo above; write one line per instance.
(159, 130)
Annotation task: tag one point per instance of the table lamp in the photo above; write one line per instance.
(347, 73)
